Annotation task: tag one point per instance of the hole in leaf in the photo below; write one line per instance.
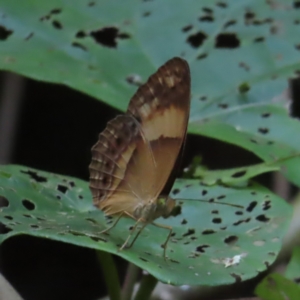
(4, 229)
(80, 197)
(40, 219)
(4, 33)
(249, 16)
(237, 277)
(208, 231)
(174, 261)
(197, 39)
(267, 205)
(254, 141)
(262, 218)
(107, 36)
(134, 79)
(80, 34)
(29, 36)
(35, 176)
(296, 4)
(267, 264)
(146, 14)
(221, 197)
(239, 213)
(80, 46)
(223, 105)
(189, 232)
(94, 222)
(251, 206)
(259, 39)
(184, 221)
(221, 4)
(206, 18)
(62, 188)
(201, 56)
(187, 28)
(92, 3)
(55, 11)
(204, 192)
(241, 221)
(227, 40)
(34, 226)
(98, 239)
(176, 191)
(263, 130)
(207, 10)
(176, 211)
(56, 24)
(217, 220)
(28, 204)
(28, 216)
(143, 259)
(8, 217)
(266, 115)
(58, 197)
(3, 202)
(239, 174)
(215, 212)
(244, 66)
(229, 23)
(202, 248)
(232, 239)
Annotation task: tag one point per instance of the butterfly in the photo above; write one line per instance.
(136, 153)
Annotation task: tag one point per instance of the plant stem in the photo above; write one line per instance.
(110, 273)
(130, 279)
(147, 285)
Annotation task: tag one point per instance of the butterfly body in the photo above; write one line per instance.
(135, 154)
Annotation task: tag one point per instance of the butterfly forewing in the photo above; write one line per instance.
(136, 153)
(162, 106)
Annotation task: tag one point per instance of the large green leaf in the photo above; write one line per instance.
(276, 287)
(293, 269)
(241, 54)
(220, 234)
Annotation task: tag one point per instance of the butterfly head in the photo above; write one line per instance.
(165, 206)
(162, 207)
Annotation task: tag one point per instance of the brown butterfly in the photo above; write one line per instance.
(137, 151)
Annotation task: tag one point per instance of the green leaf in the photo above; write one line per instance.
(293, 269)
(241, 55)
(276, 287)
(221, 234)
(238, 175)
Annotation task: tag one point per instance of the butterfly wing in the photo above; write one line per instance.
(136, 153)
(162, 107)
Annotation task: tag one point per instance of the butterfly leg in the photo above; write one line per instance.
(167, 240)
(116, 222)
(132, 231)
